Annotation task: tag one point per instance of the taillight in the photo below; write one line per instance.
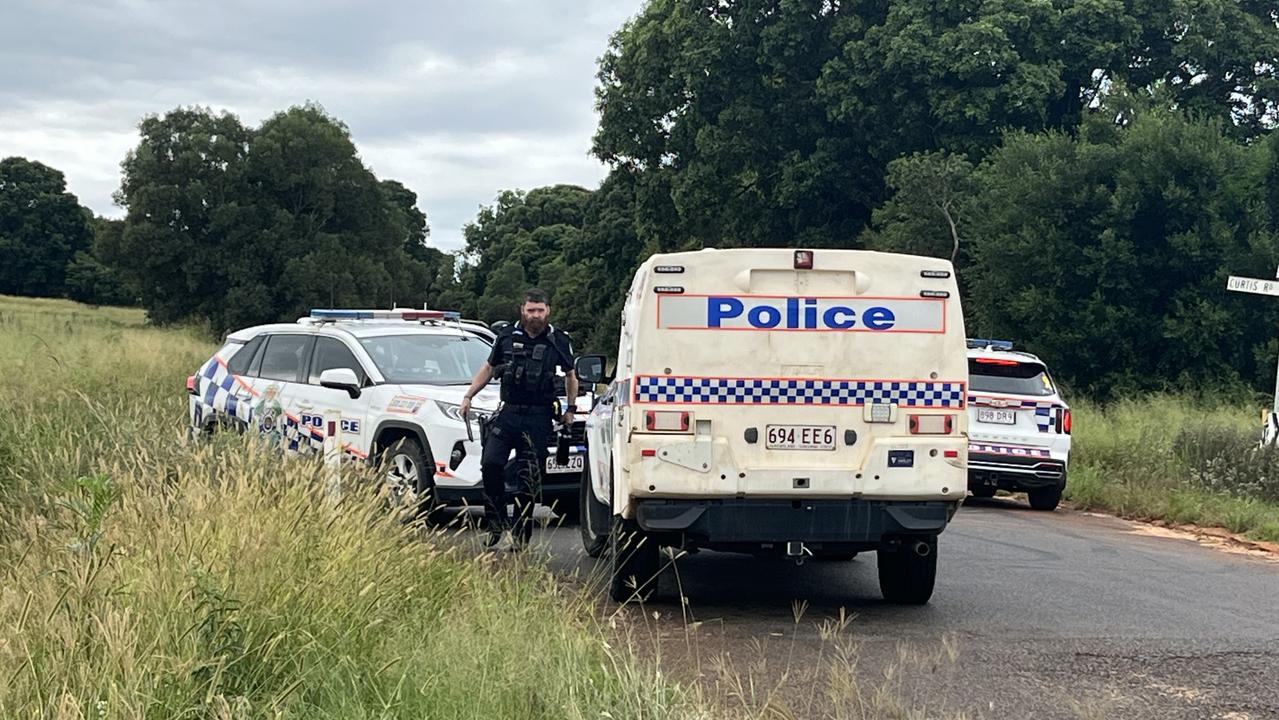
(1065, 421)
(666, 421)
(191, 385)
(931, 424)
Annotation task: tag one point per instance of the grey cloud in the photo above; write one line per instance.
(456, 100)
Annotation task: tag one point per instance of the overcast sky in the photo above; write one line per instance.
(457, 100)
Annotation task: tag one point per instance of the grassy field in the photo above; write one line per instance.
(1176, 458)
(141, 578)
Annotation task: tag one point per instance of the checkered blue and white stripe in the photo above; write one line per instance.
(216, 388)
(773, 391)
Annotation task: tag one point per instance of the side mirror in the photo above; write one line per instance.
(590, 370)
(341, 379)
(500, 325)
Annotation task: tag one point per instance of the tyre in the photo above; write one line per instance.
(908, 570)
(633, 563)
(983, 491)
(592, 542)
(1045, 498)
(410, 479)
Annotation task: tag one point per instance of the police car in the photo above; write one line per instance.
(387, 385)
(1018, 425)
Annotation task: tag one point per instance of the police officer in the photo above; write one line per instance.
(524, 358)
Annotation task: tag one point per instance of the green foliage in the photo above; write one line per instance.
(141, 577)
(757, 122)
(42, 227)
(1183, 458)
(241, 226)
(1108, 253)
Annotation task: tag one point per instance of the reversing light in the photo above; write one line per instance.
(803, 259)
(666, 421)
(931, 424)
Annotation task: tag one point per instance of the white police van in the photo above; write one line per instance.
(789, 402)
(1019, 427)
(388, 383)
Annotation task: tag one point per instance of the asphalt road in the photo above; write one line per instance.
(1042, 615)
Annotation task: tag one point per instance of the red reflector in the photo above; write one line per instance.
(648, 452)
(951, 453)
(995, 361)
(803, 259)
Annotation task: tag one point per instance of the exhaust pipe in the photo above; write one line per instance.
(921, 548)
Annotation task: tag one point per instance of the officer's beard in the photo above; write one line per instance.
(534, 326)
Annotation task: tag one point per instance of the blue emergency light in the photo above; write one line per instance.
(977, 343)
(408, 314)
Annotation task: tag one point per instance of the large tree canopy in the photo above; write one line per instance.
(42, 227)
(769, 122)
(243, 225)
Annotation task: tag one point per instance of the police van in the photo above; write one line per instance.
(787, 402)
(385, 385)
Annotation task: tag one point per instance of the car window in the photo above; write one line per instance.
(999, 375)
(239, 362)
(284, 356)
(434, 359)
(331, 353)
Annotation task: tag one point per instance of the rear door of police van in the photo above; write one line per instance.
(774, 372)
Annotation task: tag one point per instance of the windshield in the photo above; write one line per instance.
(1008, 376)
(433, 359)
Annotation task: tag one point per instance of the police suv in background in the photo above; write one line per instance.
(1018, 425)
(392, 381)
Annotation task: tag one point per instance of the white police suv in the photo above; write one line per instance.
(384, 385)
(1018, 425)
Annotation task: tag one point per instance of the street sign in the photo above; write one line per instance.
(1253, 285)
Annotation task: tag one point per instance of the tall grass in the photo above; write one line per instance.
(141, 578)
(1177, 458)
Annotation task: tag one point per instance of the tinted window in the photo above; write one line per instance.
(1008, 376)
(330, 354)
(284, 357)
(239, 363)
(434, 359)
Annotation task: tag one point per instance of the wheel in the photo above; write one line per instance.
(1045, 498)
(908, 570)
(633, 563)
(983, 491)
(593, 543)
(410, 479)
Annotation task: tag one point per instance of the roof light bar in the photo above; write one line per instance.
(409, 315)
(977, 343)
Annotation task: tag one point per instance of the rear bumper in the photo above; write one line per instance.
(1012, 472)
(749, 525)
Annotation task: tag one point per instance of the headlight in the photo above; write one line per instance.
(454, 412)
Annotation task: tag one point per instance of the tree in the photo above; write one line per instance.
(91, 277)
(767, 122)
(1107, 253)
(924, 215)
(42, 227)
(242, 226)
